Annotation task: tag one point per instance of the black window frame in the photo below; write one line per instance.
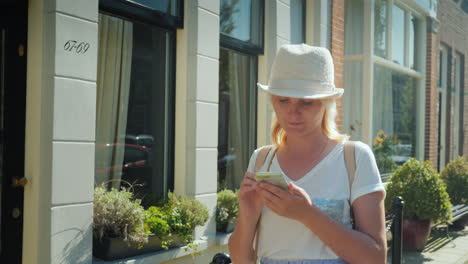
(137, 13)
(140, 13)
(247, 47)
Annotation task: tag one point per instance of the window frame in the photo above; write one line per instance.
(136, 12)
(369, 59)
(247, 47)
(168, 170)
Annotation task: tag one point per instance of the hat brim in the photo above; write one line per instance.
(301, 94)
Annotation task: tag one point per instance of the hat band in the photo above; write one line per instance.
(311, 86)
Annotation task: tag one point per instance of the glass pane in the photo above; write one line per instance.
(132, 106)
(398, 35)
(354, 23)
(380, 28)
(297, 21)
(237, 111)
(235, 18)
(352, 99)
(394, 118)
(165, 6)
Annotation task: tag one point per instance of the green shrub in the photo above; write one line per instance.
(118, 215)
(178, 216)
(383, 148)
(192, 211)
(227, 208)
(455, 175)
(422, 189)
(156, 222)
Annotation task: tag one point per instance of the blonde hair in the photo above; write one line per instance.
(279, 136)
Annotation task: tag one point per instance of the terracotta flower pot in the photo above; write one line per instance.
(415, 234)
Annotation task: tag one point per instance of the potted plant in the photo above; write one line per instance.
(227, 209)
(122, 228)
(117, 223)
(426, 201)
(455, 175)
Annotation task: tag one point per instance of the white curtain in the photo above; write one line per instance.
(352, 99)
(239, 118)
(113, 88)
(354, 24)
(383, 101)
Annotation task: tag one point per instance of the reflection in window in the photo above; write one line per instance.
(398, 35)
(237, 112)
(235, 18)
(166, 6)
(380, 28)
(297, 12)
(354, 23)
(133, 99)
(394, 115)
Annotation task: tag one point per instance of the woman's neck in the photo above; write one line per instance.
(306, 144)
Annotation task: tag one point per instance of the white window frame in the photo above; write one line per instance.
(369, 59)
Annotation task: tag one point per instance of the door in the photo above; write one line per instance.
(13, 26)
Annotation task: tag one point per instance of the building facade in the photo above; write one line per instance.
(163, 94)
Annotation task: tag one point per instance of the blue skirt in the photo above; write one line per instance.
(302, 261)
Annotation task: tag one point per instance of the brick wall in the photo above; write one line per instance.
(337, 49)
(453, 32)
(431, 132)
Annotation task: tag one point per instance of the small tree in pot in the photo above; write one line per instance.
(455, 175)
(426, 201)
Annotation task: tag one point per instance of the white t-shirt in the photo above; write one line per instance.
(328, 187)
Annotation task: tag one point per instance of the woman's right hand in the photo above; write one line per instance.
(249, 196)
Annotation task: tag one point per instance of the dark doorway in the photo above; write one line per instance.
(13, 35)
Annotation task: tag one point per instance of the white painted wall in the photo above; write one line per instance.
(60, 132)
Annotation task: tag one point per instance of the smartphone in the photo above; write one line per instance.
(273, 178)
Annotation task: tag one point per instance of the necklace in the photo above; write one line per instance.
(321, 152)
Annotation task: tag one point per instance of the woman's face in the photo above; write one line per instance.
(298, 116)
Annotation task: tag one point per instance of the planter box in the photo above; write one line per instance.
(117, 248)
(226, 228)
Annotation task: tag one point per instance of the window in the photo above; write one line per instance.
(398, 35)
(380, 28)
(395, 82)
(165, 6)
(237, 111)
(135, 100)
(241, 23)
(394, 115)
(297, 14)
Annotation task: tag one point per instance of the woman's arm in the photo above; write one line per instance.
(250, 206)
(366, 244)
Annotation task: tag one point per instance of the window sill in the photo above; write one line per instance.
(157, 257)
(160, 256)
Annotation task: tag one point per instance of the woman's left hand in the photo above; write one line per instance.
(291, 203)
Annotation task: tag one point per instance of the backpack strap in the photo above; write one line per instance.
(261, 157)
(350, 161)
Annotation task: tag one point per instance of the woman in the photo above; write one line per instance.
(311, 221)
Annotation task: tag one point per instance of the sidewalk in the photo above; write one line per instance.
(440, 249)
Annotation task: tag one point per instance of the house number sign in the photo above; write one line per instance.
(79, 47)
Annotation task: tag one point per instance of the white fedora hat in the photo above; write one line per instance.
(302, 71)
